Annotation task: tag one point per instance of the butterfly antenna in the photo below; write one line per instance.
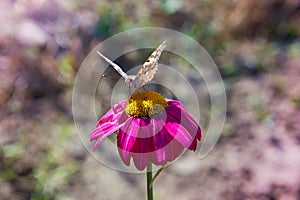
(109, 76)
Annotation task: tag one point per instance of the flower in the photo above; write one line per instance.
(149, 128)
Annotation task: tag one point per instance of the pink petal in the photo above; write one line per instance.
(159, 139)
(178, 132)
(131, 140)
(128, 135)
(166, 153)
(144, 141)
(114, 113)
(174, 150)
(166, 147)
(125, 156)
(140, 160)
(109, 123)
(190, 125)
(177, 114)
(104, 129)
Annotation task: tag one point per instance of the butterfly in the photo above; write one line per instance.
(145, 73)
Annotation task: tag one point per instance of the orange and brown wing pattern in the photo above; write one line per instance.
(148, 70)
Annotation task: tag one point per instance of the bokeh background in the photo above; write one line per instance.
(256, 46)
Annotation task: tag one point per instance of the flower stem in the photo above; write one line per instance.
(156, 175)
(149, 182)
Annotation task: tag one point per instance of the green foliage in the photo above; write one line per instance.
(8, 174)
(294, 49)
(171, 6)
(55, 170)
(49, 179)
(10, 154)
(64, 130)
(296, 102)
(228, 130)
(259, 106)
(66, 69)
(110, 20)
(12, 150)
(229, 69)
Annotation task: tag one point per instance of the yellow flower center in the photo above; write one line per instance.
(145, 104)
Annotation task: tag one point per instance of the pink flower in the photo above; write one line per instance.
(149, 128)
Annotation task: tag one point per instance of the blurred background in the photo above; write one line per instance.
(256, 46)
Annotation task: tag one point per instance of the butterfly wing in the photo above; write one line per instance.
(115, 66)
(148, 70)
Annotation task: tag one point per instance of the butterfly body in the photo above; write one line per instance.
(131, 81)
(146, 72)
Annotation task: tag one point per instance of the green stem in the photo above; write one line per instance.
(156, 175)
(149, 182)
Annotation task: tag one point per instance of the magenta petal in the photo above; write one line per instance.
(176, 109)
(125, 156)
(101, 132)
(140, 160)
(104, 129)
(168, 153)
(127, 135)
(159, 139)
(190, 125)
(177, 114)
(167, 148)
(144, 141)
(114, 113)
(178, 132)
(193, 146)
(109, 123)
(174, 150)
(106, 118)
(160, 155)
(128, 144)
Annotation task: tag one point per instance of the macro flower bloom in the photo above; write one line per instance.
(149, 128)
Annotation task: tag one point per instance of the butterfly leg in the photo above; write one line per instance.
(129, 91)
(143, 88)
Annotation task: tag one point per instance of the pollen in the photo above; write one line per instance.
(145, 104)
